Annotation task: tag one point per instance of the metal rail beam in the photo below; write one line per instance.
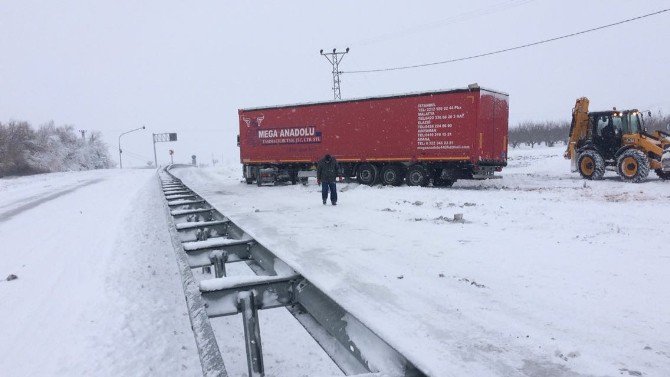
(180, 196)
(185, 202)
(178, 212)
(237, 252)
(201, 224)
(220, 295)
(176, 191)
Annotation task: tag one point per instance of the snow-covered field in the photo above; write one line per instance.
(548, 275)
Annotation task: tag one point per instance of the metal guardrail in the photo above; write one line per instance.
(203, 237)
(205, 340)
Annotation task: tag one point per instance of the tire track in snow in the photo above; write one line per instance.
(41, 200)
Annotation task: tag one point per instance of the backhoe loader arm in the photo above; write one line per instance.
(579, 128)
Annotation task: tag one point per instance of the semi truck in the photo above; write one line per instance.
(434, 137)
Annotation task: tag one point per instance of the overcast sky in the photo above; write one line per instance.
(187, 66)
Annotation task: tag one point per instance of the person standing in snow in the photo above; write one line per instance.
(326, 172)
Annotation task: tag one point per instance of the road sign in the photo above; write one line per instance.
(163, 138)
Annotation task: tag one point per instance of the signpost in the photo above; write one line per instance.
(164, 138)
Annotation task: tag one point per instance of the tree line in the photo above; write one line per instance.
(533, 133)
(49, 148)
(658, 122)
(552, 132)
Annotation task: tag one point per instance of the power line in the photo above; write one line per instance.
(511, 48)
(461, 17)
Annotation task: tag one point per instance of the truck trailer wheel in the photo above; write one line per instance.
(392, 175)
(417, 176)
(367, 174)
(633, 166)
(591, 165)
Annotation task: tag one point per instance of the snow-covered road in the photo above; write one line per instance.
(98, 291)
(548, 275)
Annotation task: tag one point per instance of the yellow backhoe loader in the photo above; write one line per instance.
(616, 139)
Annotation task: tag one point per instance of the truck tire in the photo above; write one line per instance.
(591, 165)
(664, 175)
(633, 166)
(392, 175)
(417, 176)
(367, 174)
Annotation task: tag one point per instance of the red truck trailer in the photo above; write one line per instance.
(417, 138)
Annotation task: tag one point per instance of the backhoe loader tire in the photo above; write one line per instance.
(633, 166)
(664, 175)
(591, 165)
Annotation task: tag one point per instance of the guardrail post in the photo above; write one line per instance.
(252, 333)
(219, 259)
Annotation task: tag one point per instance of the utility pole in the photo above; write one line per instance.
(335, 58)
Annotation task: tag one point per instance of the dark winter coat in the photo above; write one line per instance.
(327, 170)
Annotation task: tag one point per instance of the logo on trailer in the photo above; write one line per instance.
(291, 135)
(253, 122)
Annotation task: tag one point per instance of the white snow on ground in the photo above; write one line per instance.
(98, 291)
(548, 275)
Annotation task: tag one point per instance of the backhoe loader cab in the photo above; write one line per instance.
(617, 140)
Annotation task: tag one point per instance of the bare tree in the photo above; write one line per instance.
(533, 133)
